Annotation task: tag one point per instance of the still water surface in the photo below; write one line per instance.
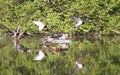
(99, 56)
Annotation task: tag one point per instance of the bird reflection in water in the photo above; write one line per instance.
(77, 67)
(21, 48)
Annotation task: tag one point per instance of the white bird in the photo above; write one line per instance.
(40, 24)
(78, 21)
(77, 67)
(40, 56)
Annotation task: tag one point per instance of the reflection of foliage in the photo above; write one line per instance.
(57, 14)
(98, 56)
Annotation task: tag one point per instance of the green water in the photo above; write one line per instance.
(99, 56)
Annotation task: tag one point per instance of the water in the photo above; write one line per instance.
(99, 56)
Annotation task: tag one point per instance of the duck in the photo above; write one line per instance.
(48, 47)
(18, 35)
(79, 21)
(60, 41)
(54, 35)
(54, 49)
(24, 34)
(40, 25)
(16, 32)
(40, 55)
(21, 48)
(49, 39)
(15, 36)
(15, 43)
(64, 37)
(63, 46)
(78, 66)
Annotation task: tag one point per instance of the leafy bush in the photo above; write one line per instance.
(102, 15)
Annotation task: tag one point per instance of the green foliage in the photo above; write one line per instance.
(102, 15)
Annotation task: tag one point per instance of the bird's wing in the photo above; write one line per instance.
(20, 35)
(40, 56)
(37, 57)
(13, 31)
(41, 53)
(38, 23)
(77, 19)
(18, 29)
(28, 33)
(41, 27)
